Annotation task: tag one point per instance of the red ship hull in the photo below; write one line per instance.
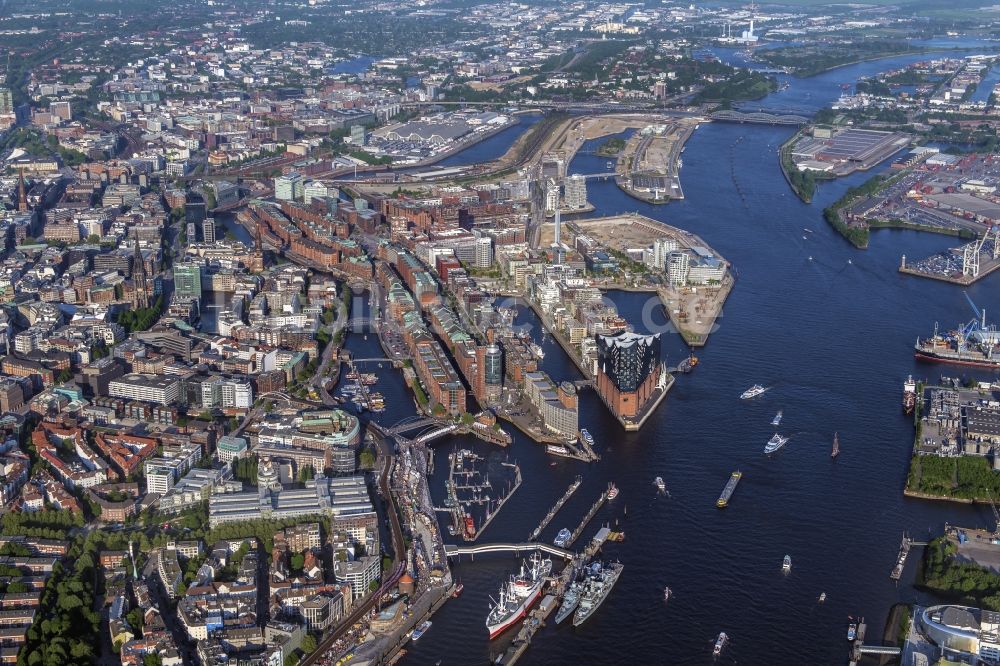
(923, 356)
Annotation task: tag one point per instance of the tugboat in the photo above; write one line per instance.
(753, 392)
(909, 395)
(687, 365)
(720, 643)
(786, 564)
(660, 485)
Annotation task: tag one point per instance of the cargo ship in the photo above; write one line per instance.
(596, 589)
(974, 344)
(728, 491)
(517, 596)
(909, 395)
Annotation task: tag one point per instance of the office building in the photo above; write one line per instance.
(289, 187)
(187, 280)
(162, 390)
(557, 406)
(61, 110)
(208, 229)
(358, 135)
(360, 574)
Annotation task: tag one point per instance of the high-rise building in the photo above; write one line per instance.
(358, 135)
(628, 371)
(551, 197)
(575, 196)
(289, 187)
(484, 252)
(494, 366)
(315, 189)
(678, 265)
(187, 280)
(661, 248)
(208, 229)
(6, 101)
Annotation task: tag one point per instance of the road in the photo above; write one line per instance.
(399, 552)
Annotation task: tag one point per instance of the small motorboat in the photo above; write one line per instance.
(786, 564)
(822, 597)
(660, 485)
(666, 594)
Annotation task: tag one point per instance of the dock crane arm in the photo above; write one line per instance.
(972, 305)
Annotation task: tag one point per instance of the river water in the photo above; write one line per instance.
(830, 329)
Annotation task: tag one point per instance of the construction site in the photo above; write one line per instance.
(695, 280)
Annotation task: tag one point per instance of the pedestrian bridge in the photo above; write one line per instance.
(879, 649)
(434, 434)
(487, 548)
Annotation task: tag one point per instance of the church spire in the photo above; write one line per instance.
(22, 196)
(140, 295)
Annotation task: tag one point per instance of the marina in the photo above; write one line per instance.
(472, 495)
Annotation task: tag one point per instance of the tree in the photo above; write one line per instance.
(298, 560)
(309, 644)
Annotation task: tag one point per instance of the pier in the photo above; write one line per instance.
(586, 519)
(555, 508)
(904, 551)
(859, 649)
(492, 514)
